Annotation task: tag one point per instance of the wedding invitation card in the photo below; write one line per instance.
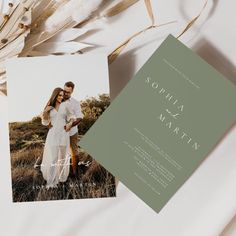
(53, 102)
(164, 123)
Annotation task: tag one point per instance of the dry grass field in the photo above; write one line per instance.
(26, 145)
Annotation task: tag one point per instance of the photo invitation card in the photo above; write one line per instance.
(168, 118)
(53, 102)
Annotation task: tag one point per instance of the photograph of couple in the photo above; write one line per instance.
(62, 115)
(53, 102)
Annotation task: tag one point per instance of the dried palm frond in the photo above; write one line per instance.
(46, 27)
(42, 27)
(55, 21)
(14, 27)
(52, 27)
(150, 11)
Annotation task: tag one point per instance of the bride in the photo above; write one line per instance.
(59, 115)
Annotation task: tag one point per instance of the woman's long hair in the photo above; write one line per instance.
(53, 99)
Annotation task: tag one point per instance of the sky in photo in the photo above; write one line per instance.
(32, 80)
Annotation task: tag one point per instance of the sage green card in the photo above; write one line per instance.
(164, 123)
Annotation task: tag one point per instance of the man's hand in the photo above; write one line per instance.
(50, 125)
(67, 127)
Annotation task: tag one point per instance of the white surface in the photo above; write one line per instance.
(206, 203)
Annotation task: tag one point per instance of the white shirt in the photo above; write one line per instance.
(75, 105)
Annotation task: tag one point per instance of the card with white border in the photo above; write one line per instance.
(53, 102)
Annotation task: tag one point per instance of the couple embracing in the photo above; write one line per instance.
(62, 114)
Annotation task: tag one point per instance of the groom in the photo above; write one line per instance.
(75, 105)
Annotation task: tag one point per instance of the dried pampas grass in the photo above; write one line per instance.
(59, 23)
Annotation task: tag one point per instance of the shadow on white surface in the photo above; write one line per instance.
(206, 50)
(121, 72)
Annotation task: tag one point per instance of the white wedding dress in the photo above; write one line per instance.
(55, 165)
